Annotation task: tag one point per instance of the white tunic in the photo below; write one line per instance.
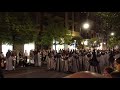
(9, 65)
(39, 60)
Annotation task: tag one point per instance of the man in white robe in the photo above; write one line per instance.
(39, 59)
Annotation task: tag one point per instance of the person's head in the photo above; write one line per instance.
(108, 70)
(117, 64)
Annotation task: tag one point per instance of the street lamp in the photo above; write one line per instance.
(112, 34)
(112, 37)
(104, 43)
(86, 42)
(86, 25)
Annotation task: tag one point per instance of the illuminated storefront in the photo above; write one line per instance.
(6, 47)
(29, 46)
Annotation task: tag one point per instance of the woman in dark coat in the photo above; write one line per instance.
(94, 63)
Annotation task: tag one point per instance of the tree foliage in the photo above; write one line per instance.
(113, 41)
(110, 23)
(93, 42)
(16, 28)
(54, 30)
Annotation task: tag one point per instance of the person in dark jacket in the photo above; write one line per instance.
(94, 62)
(116, 73)
(108, 71)
(111, 59)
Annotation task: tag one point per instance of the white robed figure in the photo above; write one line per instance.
(102, 62)
(62, 63)
(31, 57)
(74, 65)
(70, 64)
(78, 62)
(83, 62)
(87, 58)
(9, 63)
(39, 59)
(107, 59)
(65, 64)
(48, 63)
(14, 62)
(58, 64)
(47, 58)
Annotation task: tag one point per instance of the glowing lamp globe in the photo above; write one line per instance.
(86, 26)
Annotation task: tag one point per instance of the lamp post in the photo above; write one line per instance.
(85, 26)
(112, 34)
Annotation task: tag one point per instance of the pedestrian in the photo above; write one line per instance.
(39, 59)
(108, 71)
(36, 58)
(25, 57)
(9, 62)
(31, 57)
(1, 66)
(94, 63)
(58, 59)
(111, 59)
(116, 73)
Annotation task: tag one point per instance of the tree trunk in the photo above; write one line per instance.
(55, 44)
(19, 47)
(73, 24)
(39, 20)
(40, 16)
(66, 20)
(66, 24)
(41, 26)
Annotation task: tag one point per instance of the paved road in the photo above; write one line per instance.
(34, 72)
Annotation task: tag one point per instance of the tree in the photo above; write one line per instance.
(45, 39)
(67, 38)
(56, 31)
(78, 41)
(109, 22)
(94, 42)
(19, 27)
(112, 42)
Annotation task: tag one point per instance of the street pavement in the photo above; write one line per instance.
(33, 72)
